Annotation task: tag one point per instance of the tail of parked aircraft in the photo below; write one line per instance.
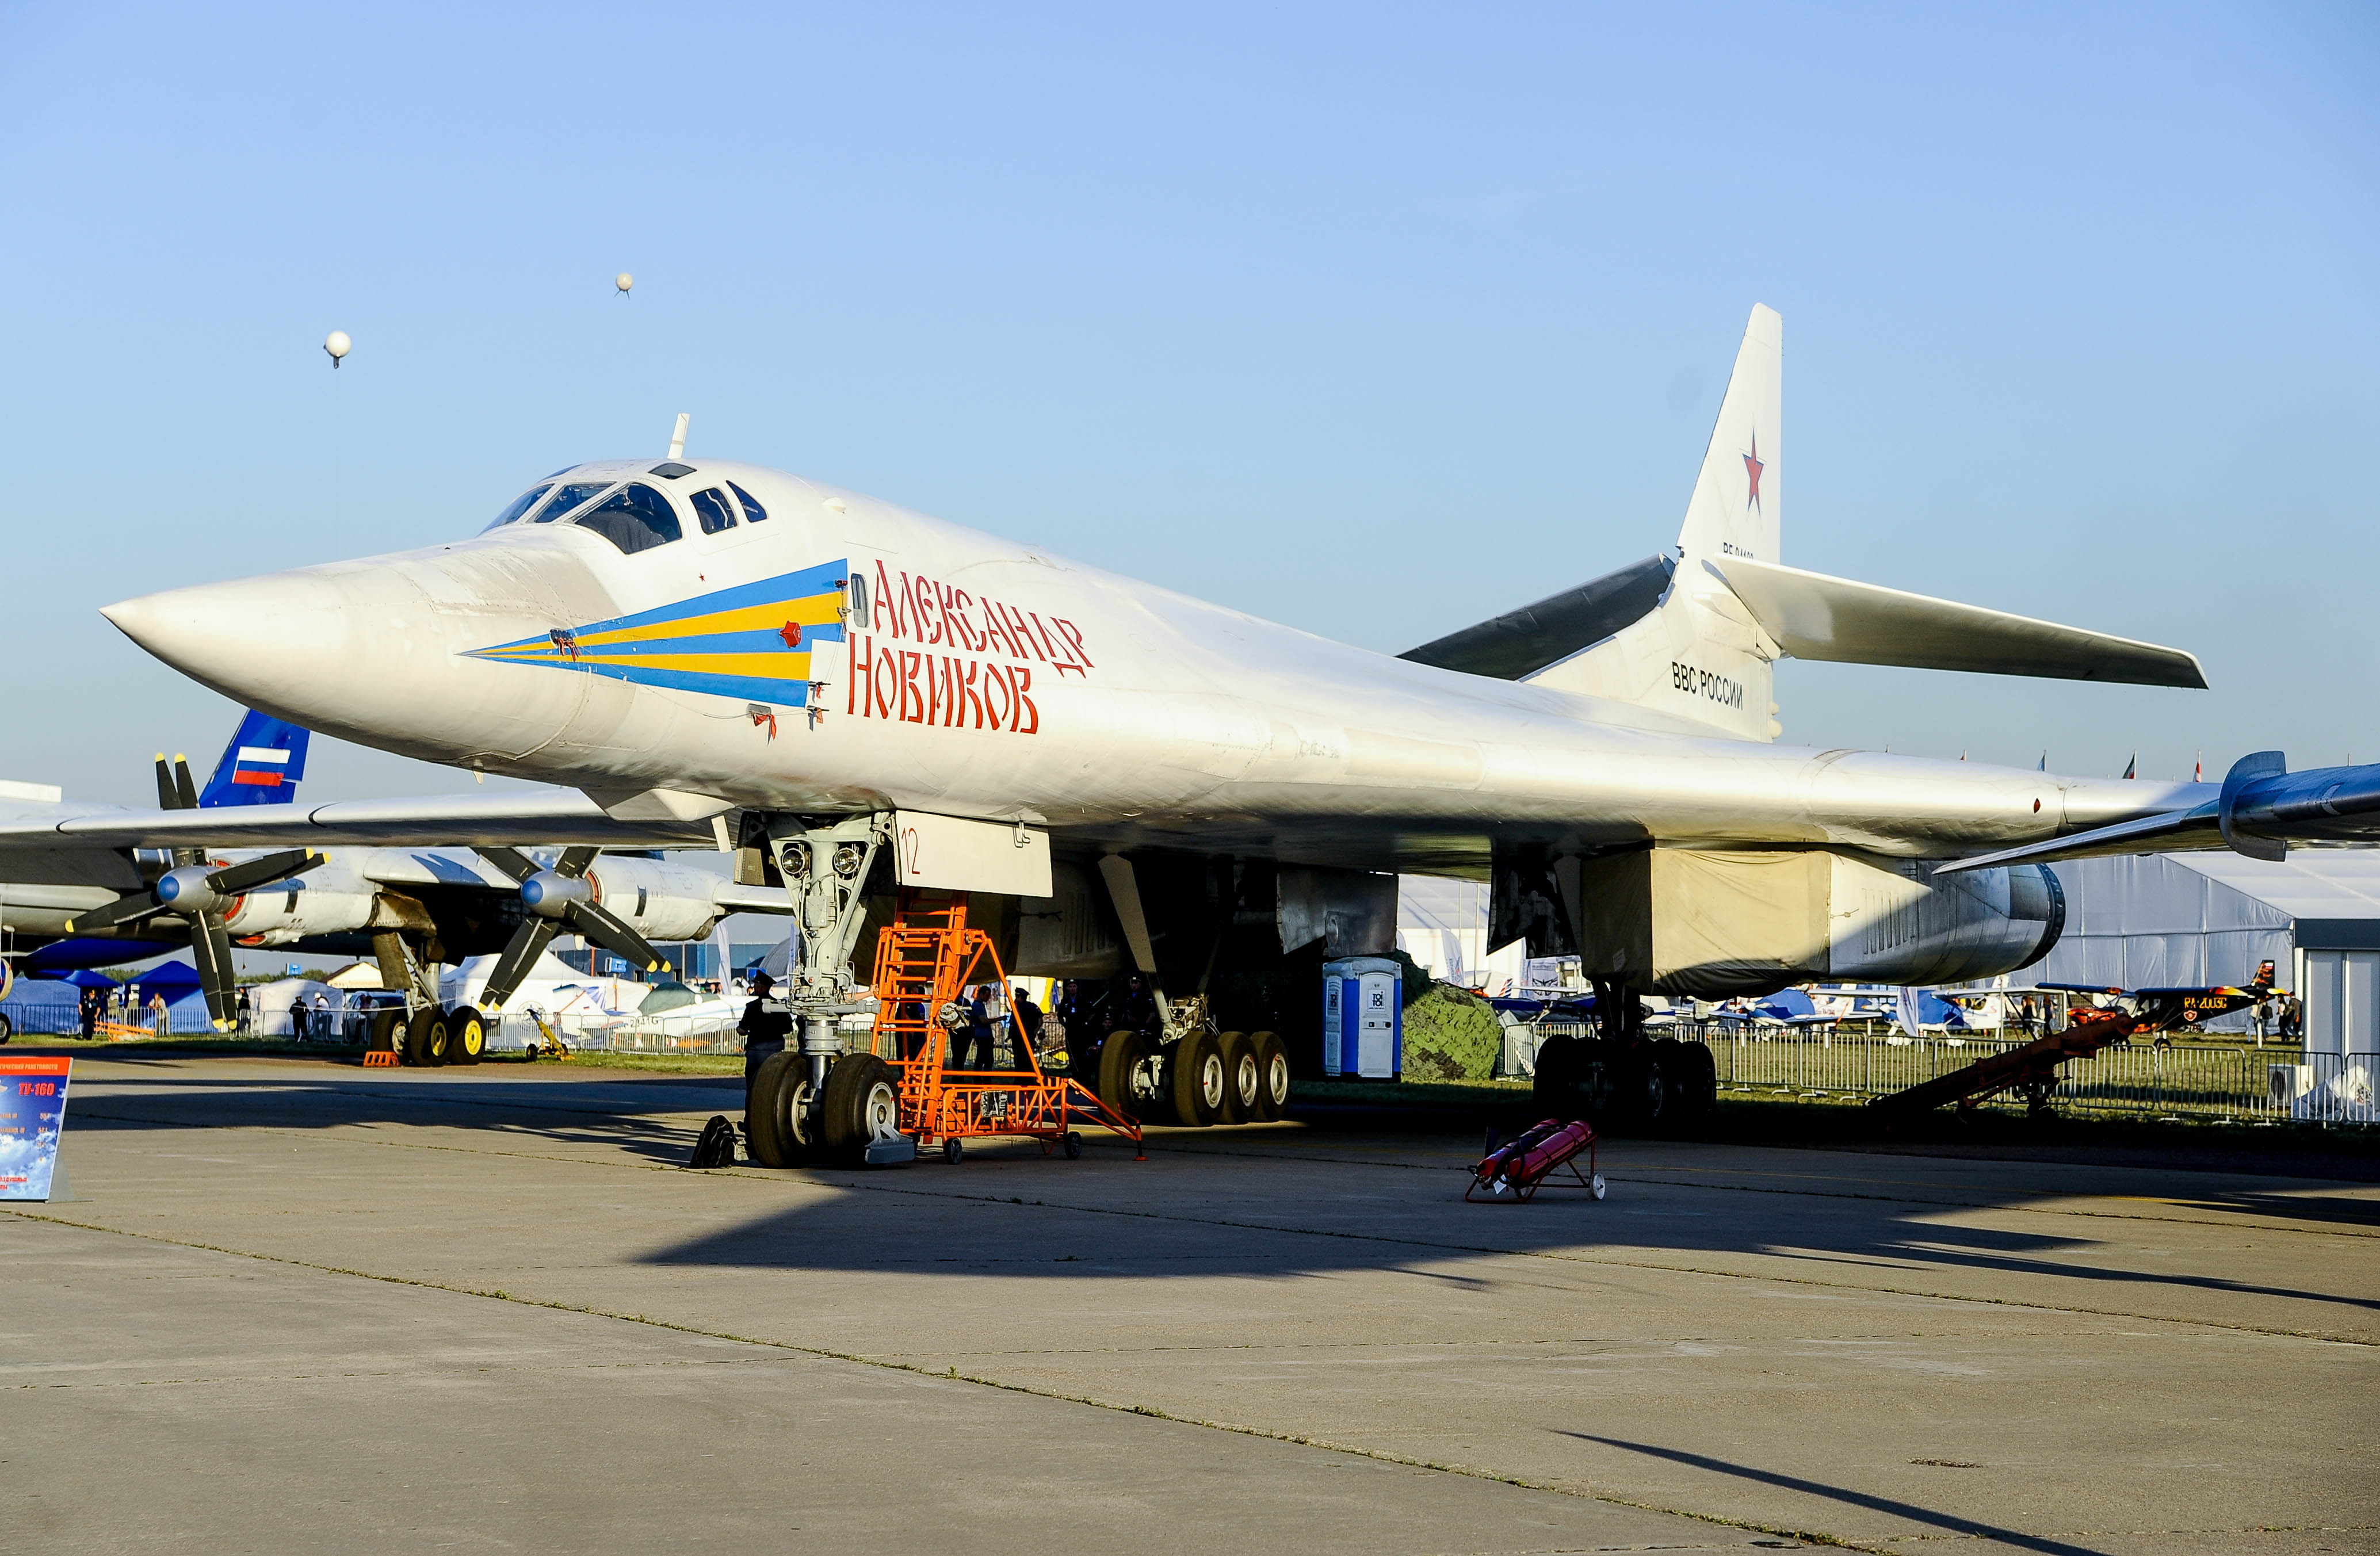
(1697, 634)
(1698, 652)
(1740, 493)
(262, 766)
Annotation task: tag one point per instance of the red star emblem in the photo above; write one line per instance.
(1752, 467)
(792, 633)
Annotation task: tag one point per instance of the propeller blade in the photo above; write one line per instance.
(512, 861)
(528, 943)
(211, 948)
(573, 862)
(166, 798)
(232, 879)
(126, 909)
(184, 789)
(606, 929)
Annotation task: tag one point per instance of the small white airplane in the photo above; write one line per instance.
(821, 677)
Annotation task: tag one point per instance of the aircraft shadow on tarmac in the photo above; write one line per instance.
(642, 1115)
(1960, 1526)
(1281, 1213)
(1222, 1217)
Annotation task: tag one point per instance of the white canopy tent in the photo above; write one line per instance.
(2180, 921)
(1442, 924)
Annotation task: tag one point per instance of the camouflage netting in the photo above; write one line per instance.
(1451, 1034)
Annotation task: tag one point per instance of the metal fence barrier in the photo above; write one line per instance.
(2182, 1081)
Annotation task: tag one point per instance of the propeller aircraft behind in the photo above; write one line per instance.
(836, 680)
(82, 901)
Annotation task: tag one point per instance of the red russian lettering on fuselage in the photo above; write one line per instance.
(968, 689)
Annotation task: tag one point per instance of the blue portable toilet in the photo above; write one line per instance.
(1362, 1018)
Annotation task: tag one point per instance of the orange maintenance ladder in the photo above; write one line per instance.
(925, 959)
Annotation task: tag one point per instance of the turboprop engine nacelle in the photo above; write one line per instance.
(659, 899)
(185, 890)
(1720, 923)
(549, 896)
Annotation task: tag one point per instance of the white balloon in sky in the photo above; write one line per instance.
(623, 281)
(337, 344)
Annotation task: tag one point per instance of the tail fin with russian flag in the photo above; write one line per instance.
(262, 766)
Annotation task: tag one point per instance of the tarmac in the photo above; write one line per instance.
(298, 1306)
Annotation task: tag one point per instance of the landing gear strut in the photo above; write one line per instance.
(793, 1104)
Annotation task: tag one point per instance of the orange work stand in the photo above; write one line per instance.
(924, 959)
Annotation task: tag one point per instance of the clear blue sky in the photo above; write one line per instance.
(1372, 320)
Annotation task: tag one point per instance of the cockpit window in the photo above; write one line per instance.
(520, 505)
(567, 498)
(634, 519)
(753, 511)
(710, 511)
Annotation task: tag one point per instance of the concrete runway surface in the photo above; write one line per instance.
(298, 1307)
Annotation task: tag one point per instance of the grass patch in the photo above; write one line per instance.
(190, 1043)
(648, 1064)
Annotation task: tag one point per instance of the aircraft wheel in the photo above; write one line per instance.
(467, 1036)
(428, 1039)
(1553, 1090)
(1646, 1088)
(7, 1029)
(1272, 1077)
(1123, 1071)
(1240, 1078)
(1694, 1081)
(863, 1106)
(1200, 1082)
(385, 1031)
(782, 1080)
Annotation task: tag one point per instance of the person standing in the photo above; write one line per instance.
(1078, 1015)
(974, 1041)
(765, 1031)
(91, 1001)
(160, 1024)
(1028, 1028)
(1140, 1012)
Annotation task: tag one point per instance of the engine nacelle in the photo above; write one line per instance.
(660, 900)
(185, 890)
(1720, 923)
(291, 910)
(549, 896)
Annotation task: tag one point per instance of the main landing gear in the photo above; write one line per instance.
(1195, 1077)
(1623, 1077)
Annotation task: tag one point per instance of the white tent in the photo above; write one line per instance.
(2179, 920)
(1442, 924)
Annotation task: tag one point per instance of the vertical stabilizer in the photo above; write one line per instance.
(1740, 495)
(262, 766)
(1699, 653)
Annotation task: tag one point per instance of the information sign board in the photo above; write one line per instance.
(32, 1113)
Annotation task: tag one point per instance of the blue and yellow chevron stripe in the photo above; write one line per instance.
(752, 641)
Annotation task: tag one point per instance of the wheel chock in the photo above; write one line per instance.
(898, 1152)
(379, 1059)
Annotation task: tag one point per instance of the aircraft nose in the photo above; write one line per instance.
(380, 651)
(259, 640)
